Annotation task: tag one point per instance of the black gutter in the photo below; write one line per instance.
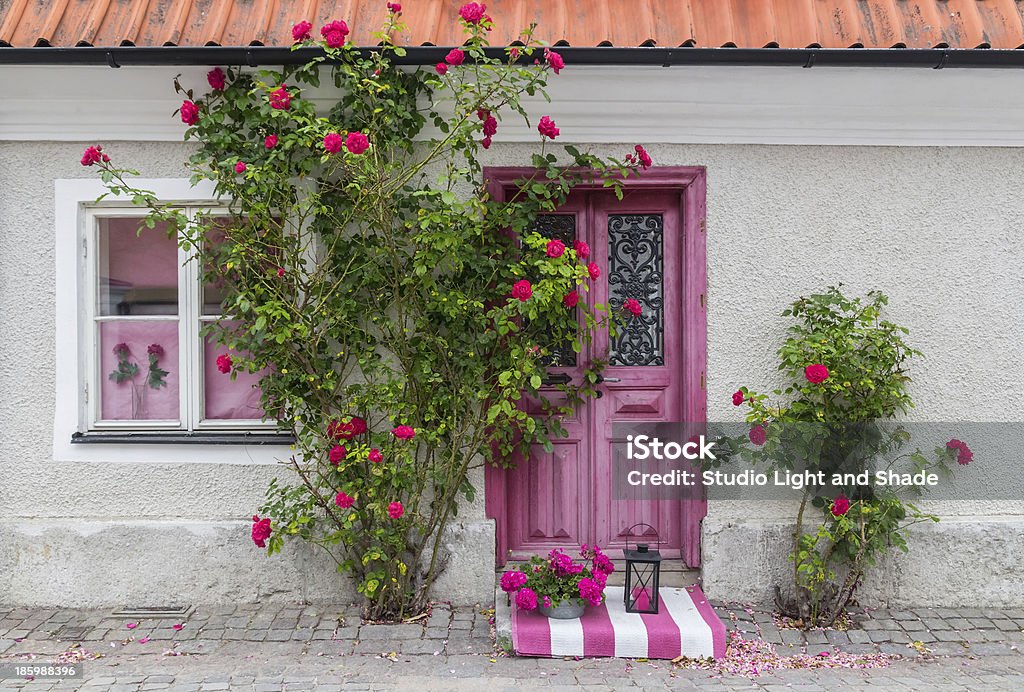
(936, 58)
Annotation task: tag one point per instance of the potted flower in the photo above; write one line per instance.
(559, 586)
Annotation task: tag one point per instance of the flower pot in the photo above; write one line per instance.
(566, 610)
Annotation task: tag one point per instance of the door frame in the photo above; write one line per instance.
(690, 182)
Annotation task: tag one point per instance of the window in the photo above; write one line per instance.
(147, 365)
(195, 417)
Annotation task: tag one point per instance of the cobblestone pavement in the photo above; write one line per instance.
(300, 647)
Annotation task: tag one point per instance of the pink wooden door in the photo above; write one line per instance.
(647, 250)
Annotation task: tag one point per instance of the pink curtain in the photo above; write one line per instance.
(228, 399)
(134, 399)
(140, 273)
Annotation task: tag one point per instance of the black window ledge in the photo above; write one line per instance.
(183, 438)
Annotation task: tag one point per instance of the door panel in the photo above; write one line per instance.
(547, 497)
(641, 252)
(565, 498)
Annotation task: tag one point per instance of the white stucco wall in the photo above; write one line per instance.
(936, 228)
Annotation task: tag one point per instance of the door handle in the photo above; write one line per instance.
(602, 378)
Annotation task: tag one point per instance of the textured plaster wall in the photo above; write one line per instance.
(135, 531)
(936, 229)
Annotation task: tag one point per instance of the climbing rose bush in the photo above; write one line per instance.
(847, 368)
(396, 312)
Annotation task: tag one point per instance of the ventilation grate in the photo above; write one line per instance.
(164, 611)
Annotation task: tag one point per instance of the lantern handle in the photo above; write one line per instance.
(630, 534)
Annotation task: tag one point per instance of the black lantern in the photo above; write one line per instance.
(643, 572)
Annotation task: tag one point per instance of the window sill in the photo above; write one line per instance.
(177, 437)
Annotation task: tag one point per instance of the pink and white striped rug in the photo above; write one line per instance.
(686, 625)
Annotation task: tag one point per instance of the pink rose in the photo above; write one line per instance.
(555, 248)
(737, 398)
(490, 122)
(547, 128)
(643, 157)
(816, 374)
(840, 506)
(441, 68)
(522, 290)
(571, 299)
(155, 350)
(280, 271)
(121, 350)
(582, 249)
(336, 454)
(404, 432)
(240, 167)
(344, 500)
(526, 599)
(757, 435)
(216, 78)
(375, 456)
(357, 142)
(473, 12)
(394, 7)
(485, 142)
(224, 363)
(93, 155)
(396, 510)
(633, 306)
(334, 33)
(270, 141)
(332, 142)
(260, 531)
(280, 99)
(300, 32)
(593, 270)
(189, 113)
(964, 454)
(455, 57)
(336, 430)
(555, 61)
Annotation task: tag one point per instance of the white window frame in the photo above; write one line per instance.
(76, 352)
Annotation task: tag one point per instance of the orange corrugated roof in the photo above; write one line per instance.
(705, 23)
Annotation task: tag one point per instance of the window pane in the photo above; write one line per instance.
(215, 292)
(635, 255)
(138, 273)
(139, 394)
(558, 227)
(227, 399)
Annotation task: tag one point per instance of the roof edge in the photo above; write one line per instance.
(935, 58)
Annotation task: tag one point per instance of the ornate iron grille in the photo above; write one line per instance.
(558, 227)
(635, 270)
